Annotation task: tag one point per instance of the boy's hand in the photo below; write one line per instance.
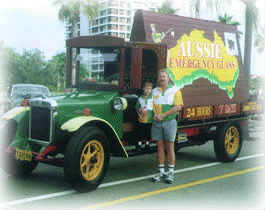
(144, 112)
(140, 111)
(143, 117)
(159, 117)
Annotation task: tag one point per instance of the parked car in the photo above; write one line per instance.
(18, 92)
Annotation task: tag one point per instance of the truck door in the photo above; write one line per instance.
(136, 67)
(143, 67)
(149, 66)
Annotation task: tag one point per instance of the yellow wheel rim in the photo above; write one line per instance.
(231, 140)
(92, 160)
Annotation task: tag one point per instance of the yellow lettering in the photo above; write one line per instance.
(190, 112)
(203, 111)
(246, 108)
(208, 111)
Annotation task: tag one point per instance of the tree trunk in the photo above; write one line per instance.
(247, 54)
(248, 42)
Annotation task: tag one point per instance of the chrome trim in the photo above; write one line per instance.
(53, 108)
(43, 102)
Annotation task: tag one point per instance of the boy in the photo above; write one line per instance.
(144, 107)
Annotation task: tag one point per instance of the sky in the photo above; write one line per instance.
(31, 24)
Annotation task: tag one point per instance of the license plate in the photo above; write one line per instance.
(23, 155)
(182, 137)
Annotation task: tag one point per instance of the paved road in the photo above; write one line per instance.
(200, 182)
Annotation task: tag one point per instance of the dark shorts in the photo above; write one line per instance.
(166, 130)
(145, 131)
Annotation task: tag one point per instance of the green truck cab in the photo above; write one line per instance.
(81, 130)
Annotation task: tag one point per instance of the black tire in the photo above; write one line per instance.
(80, 176)
(228, 142)
(17, 168)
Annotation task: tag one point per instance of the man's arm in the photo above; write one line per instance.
(175, 108)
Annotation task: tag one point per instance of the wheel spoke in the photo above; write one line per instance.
(85, 161)
(231, 140)
(83, 164)
(92, 159)
(229, 135)
(93, 154)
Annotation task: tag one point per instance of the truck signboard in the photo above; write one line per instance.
(196, 57)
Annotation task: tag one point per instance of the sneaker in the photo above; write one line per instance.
(139, 146)
(158, 177)
(170, 178)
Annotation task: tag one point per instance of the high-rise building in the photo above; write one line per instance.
(115, 19)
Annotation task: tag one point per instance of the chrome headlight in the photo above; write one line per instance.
(120, 104)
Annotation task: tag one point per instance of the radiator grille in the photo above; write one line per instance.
(40, 123)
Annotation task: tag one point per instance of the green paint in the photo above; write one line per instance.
(99, 102)
(203, 73)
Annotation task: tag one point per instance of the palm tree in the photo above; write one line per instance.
(259, 42)
(70, 11)
(217, 5)
(251, 22)
(228, 20)
(167, 8)
(91, 8)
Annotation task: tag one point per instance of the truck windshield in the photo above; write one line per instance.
(99, 66)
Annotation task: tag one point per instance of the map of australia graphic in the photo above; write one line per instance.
(196, 57)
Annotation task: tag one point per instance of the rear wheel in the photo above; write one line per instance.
(228, 142)
(86, 159)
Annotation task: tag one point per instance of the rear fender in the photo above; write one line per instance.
(116, 145)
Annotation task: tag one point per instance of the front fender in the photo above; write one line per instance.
(13, 113)
(76, 123)
(15, 127)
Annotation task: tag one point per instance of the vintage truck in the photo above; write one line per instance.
(81, 130)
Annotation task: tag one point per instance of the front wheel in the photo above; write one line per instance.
(228, 142)
(86, 159)
(18, 168)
